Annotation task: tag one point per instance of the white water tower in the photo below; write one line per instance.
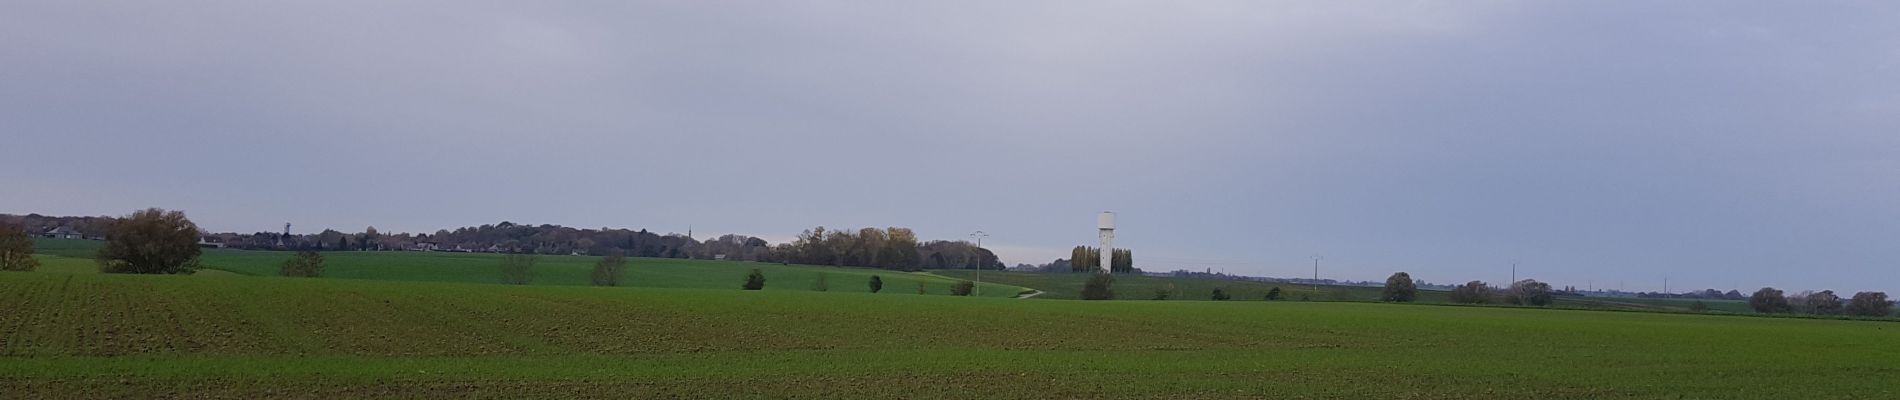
(1106, 223)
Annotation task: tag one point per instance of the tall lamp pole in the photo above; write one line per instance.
(979, 235)
(1316, 276)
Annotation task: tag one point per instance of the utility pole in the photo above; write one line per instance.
(979, 235)
(1513, 272)
(1316, 275)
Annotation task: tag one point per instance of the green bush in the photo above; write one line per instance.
(754, 280)
(1221, 294)
(877, 283)
(1274, 293)
(823, 284)
(1099, 287)
(962, 288)
(1164, 292)
(306, 264)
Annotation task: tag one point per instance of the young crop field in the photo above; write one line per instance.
(97, 335)
(75, 256)
(1132, 287)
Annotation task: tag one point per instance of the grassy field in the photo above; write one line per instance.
(96, 335)
(1132, 287)
(75, 256)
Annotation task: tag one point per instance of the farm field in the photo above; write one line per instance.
(1130, 287)
(75, 256)
(96, 335)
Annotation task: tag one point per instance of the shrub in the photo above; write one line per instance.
(962, 288)
(1399, 288)
(150, 241)
(1274, 293)
(1529, 292)
(1473, 292)
(306, 264)
(1164, 292)
(1699, 306)
(754, 280)
(877, 283)
(823, 284)
(1769, 300)
(1870, 304)
(517, 269)
(920, 288)
(610, 270)
(16, 249)
(1220, 294)
(1099, 287)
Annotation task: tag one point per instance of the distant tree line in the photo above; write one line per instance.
(888, 248)
(1865, 304)
(1089, 259)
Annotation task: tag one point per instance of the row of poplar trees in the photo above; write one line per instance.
(1089, 259)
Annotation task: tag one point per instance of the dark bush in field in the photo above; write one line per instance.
(754, 280)
(877, 283)
(610, 270)
(306, 264)
(921, 289)
(823, 284)
(1274, 293)
(517, 269)
(1769, 300)
(16, 249)
(1099, 287)
(1529, 292)
(1164, 292)
(150, 241)
(962, 288)
(1870, 304)
(1399, 288)
(1220, 294)
(1473, 292)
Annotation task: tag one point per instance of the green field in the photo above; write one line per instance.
(434, 325)
(1131, 287)
(75, 256)
(96, 335)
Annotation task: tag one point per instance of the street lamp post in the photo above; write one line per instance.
(979, 235)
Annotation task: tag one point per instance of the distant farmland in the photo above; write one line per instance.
(437, 325)
(97, 335)
(75, 256)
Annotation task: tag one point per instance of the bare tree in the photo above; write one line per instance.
(1870, 304)
(151, 241)
(1473, 292)
(610, 269)
(1529, 292)
(517, 269)
(16, 249)
(1769, 300)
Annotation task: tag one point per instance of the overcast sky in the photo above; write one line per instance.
(1722, 144)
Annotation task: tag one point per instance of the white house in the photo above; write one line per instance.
(62, 233)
